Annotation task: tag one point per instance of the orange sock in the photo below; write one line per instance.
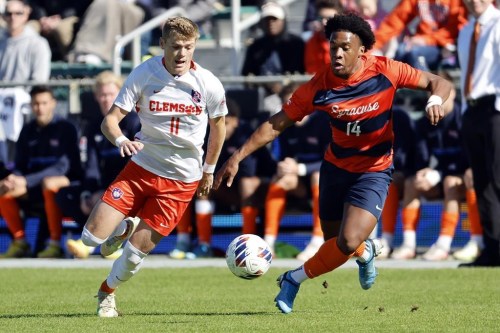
(204, 226)
(54, 214)
(359, 251)
(326, 259)
(249, 215)
(9, 210)
(317, 231)
(105, 288)
(390, 211)
(275, 208)
(449, 221)
(185, 226)
(473, 212)
(410, 217)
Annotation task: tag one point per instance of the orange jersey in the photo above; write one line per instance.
(360, 111)
(439, 21)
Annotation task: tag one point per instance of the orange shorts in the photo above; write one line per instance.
(158, 201)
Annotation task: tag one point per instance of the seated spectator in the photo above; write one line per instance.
(102, 160)
(47, 159)
(435, 35)
(443, 143)
(103, 21)
(302, 147)
(317, 49)
(247, 196)
(311, 23)
(58, 22)
(24, 54)
(404, 152)
(278, 51)
(475, 245)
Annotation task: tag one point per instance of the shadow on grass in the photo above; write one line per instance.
(78, 315)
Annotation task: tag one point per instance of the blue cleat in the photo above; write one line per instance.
(367, 270)
(289, 288)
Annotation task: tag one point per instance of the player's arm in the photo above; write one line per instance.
(214, 147)
(442, 95)
(110, 127)
(264, 134)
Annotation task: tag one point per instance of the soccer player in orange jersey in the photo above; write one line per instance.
(356, 91)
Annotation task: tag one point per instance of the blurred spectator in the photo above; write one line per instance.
(24, 55)
(58, 22)
(247, 196)
(102, 160)
(278, 51)
(317, 49)
(435, 35)
(444, 179)
(301, 150)
(310, 23)
(404, 154)
(47, 159)
(103, 21)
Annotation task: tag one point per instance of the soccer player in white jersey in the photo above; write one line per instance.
(175, 99)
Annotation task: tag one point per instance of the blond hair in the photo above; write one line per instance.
(107, 77)
(180, 27)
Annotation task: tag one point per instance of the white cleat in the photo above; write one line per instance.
(309, 251)
(106, 306)
(404, 253)
(435, 253)
(112, 244)
(469, 252)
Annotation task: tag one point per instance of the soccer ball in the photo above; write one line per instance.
(248, 256)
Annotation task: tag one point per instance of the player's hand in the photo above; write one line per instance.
(129, 148)
(229, 171)
(287, 167)
(434, 113)
(205, 184)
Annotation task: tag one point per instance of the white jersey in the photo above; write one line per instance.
(174, 115)
(14, 105)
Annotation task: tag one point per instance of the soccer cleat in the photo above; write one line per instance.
(112, 244)
(435, 253)
(51, 252)
(115, 255)
(17, 249)
(200, 251)
(309, 251)
(469, 252)
(286, 296)
(404, 252)
(77, 249)
(106, 306)
(367, 270)
(180, 251)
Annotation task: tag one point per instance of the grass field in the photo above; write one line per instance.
(213, 300)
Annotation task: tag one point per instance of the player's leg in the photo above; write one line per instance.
(390, 213)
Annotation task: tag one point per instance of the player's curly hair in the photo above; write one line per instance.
(180, 26)
(352, 22)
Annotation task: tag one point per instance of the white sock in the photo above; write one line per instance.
(479, 240)
(410, 239)
(126, 266)
(367, 253)
(183, 238)
(444, 242)
(317, 240)
(299, 275)
(89, 239)
(388, 238)
(270, 240)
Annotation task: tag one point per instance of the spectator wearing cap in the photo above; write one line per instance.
(277, 51)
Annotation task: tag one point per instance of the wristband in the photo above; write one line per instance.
(433, 100)
(119, 140)
(208, 168)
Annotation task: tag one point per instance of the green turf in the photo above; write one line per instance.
(213, 300)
